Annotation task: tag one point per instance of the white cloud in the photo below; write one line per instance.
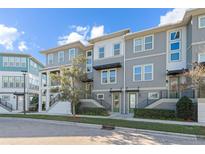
(81, 33)
(22, 46)
(97, 31)
(8, 35)
(172, 16)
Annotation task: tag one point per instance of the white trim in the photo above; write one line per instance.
(143, 72)
(147, 56)
(113, 49)
(143, 43)
(119, 101)
(100, 98)
(199, 18)
(151, 93)
(108, 76)
(108, 57)
(198, 43)
(90, 57)
(69, 53)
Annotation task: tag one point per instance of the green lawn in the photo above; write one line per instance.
(196, 130)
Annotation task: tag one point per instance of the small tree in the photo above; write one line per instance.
(197, 77)
(184, 108)
(70, 80)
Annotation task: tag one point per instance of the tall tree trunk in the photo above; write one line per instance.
(73, 108)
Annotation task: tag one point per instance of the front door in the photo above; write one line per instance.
(20, 103)
(133, 101)
(116, 102)
(174, 86)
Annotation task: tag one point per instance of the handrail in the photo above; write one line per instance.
(54, 100)
(6, 105)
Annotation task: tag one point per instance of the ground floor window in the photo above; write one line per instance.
(100, 96)
(5, 98)
(153, 95)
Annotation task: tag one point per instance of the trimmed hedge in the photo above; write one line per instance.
(155, 114)
(92, 111)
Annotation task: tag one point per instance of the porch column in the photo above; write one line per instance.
(48, 90)
(40, 93)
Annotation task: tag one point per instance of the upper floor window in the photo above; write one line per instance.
(33, 64)
(202, 21)
(201, 57)
(14, 61)
(101, 53)
(174, 46)
(148, 42)
(71, 53)
(108, 76)
(60, 56)
(143, 72)
(116, 50)
(144, 43)
(50, 59)
(89, 61)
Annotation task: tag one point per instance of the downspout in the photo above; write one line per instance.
(124, 111)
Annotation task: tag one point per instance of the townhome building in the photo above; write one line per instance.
(143, 69)
(13, 68)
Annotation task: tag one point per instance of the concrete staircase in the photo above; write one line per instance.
(164, 103)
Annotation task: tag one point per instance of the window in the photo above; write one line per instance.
(116, 49)
(104, 77)
(101, 52)
(17, 61)
(5, 82)
(153, 95)
(71, 53)
(50, 59)
(201, 22)
(5, 98)
(23, 62)
(175, 45)
(112, 76)
(143, 44)
(100, 96)
(138, 45)
(143, 72)
(5, 61)
(11, 61)
(12, 82)
(17, 81)
(108, 76)
(137, 73)
(89, 61)
(148, 72)
(60, 56)
(148, 43)
(201, 57)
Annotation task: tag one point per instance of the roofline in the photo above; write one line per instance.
(22, 54)
(109, 36)
(72, 44)
(188, 14)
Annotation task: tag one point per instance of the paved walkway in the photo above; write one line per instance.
(35, 131)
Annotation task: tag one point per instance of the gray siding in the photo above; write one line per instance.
(197, 34)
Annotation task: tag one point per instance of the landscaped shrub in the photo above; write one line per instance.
(92, 111)
(154, 114)
(184, 108)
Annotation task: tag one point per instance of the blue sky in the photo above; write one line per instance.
(31, 30)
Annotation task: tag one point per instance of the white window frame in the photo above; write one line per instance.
(3, 98)
(199, 21)
(134, 73)
(61, 59)
(69, 53)
(99, 52)
(142, 72)
(50, 58)
(199, 57)
(101, 95)
(89, 65)
(143, 43)
(108, 76)
(6, 60)
(113, 50)
(140, 38)
(150, 94)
